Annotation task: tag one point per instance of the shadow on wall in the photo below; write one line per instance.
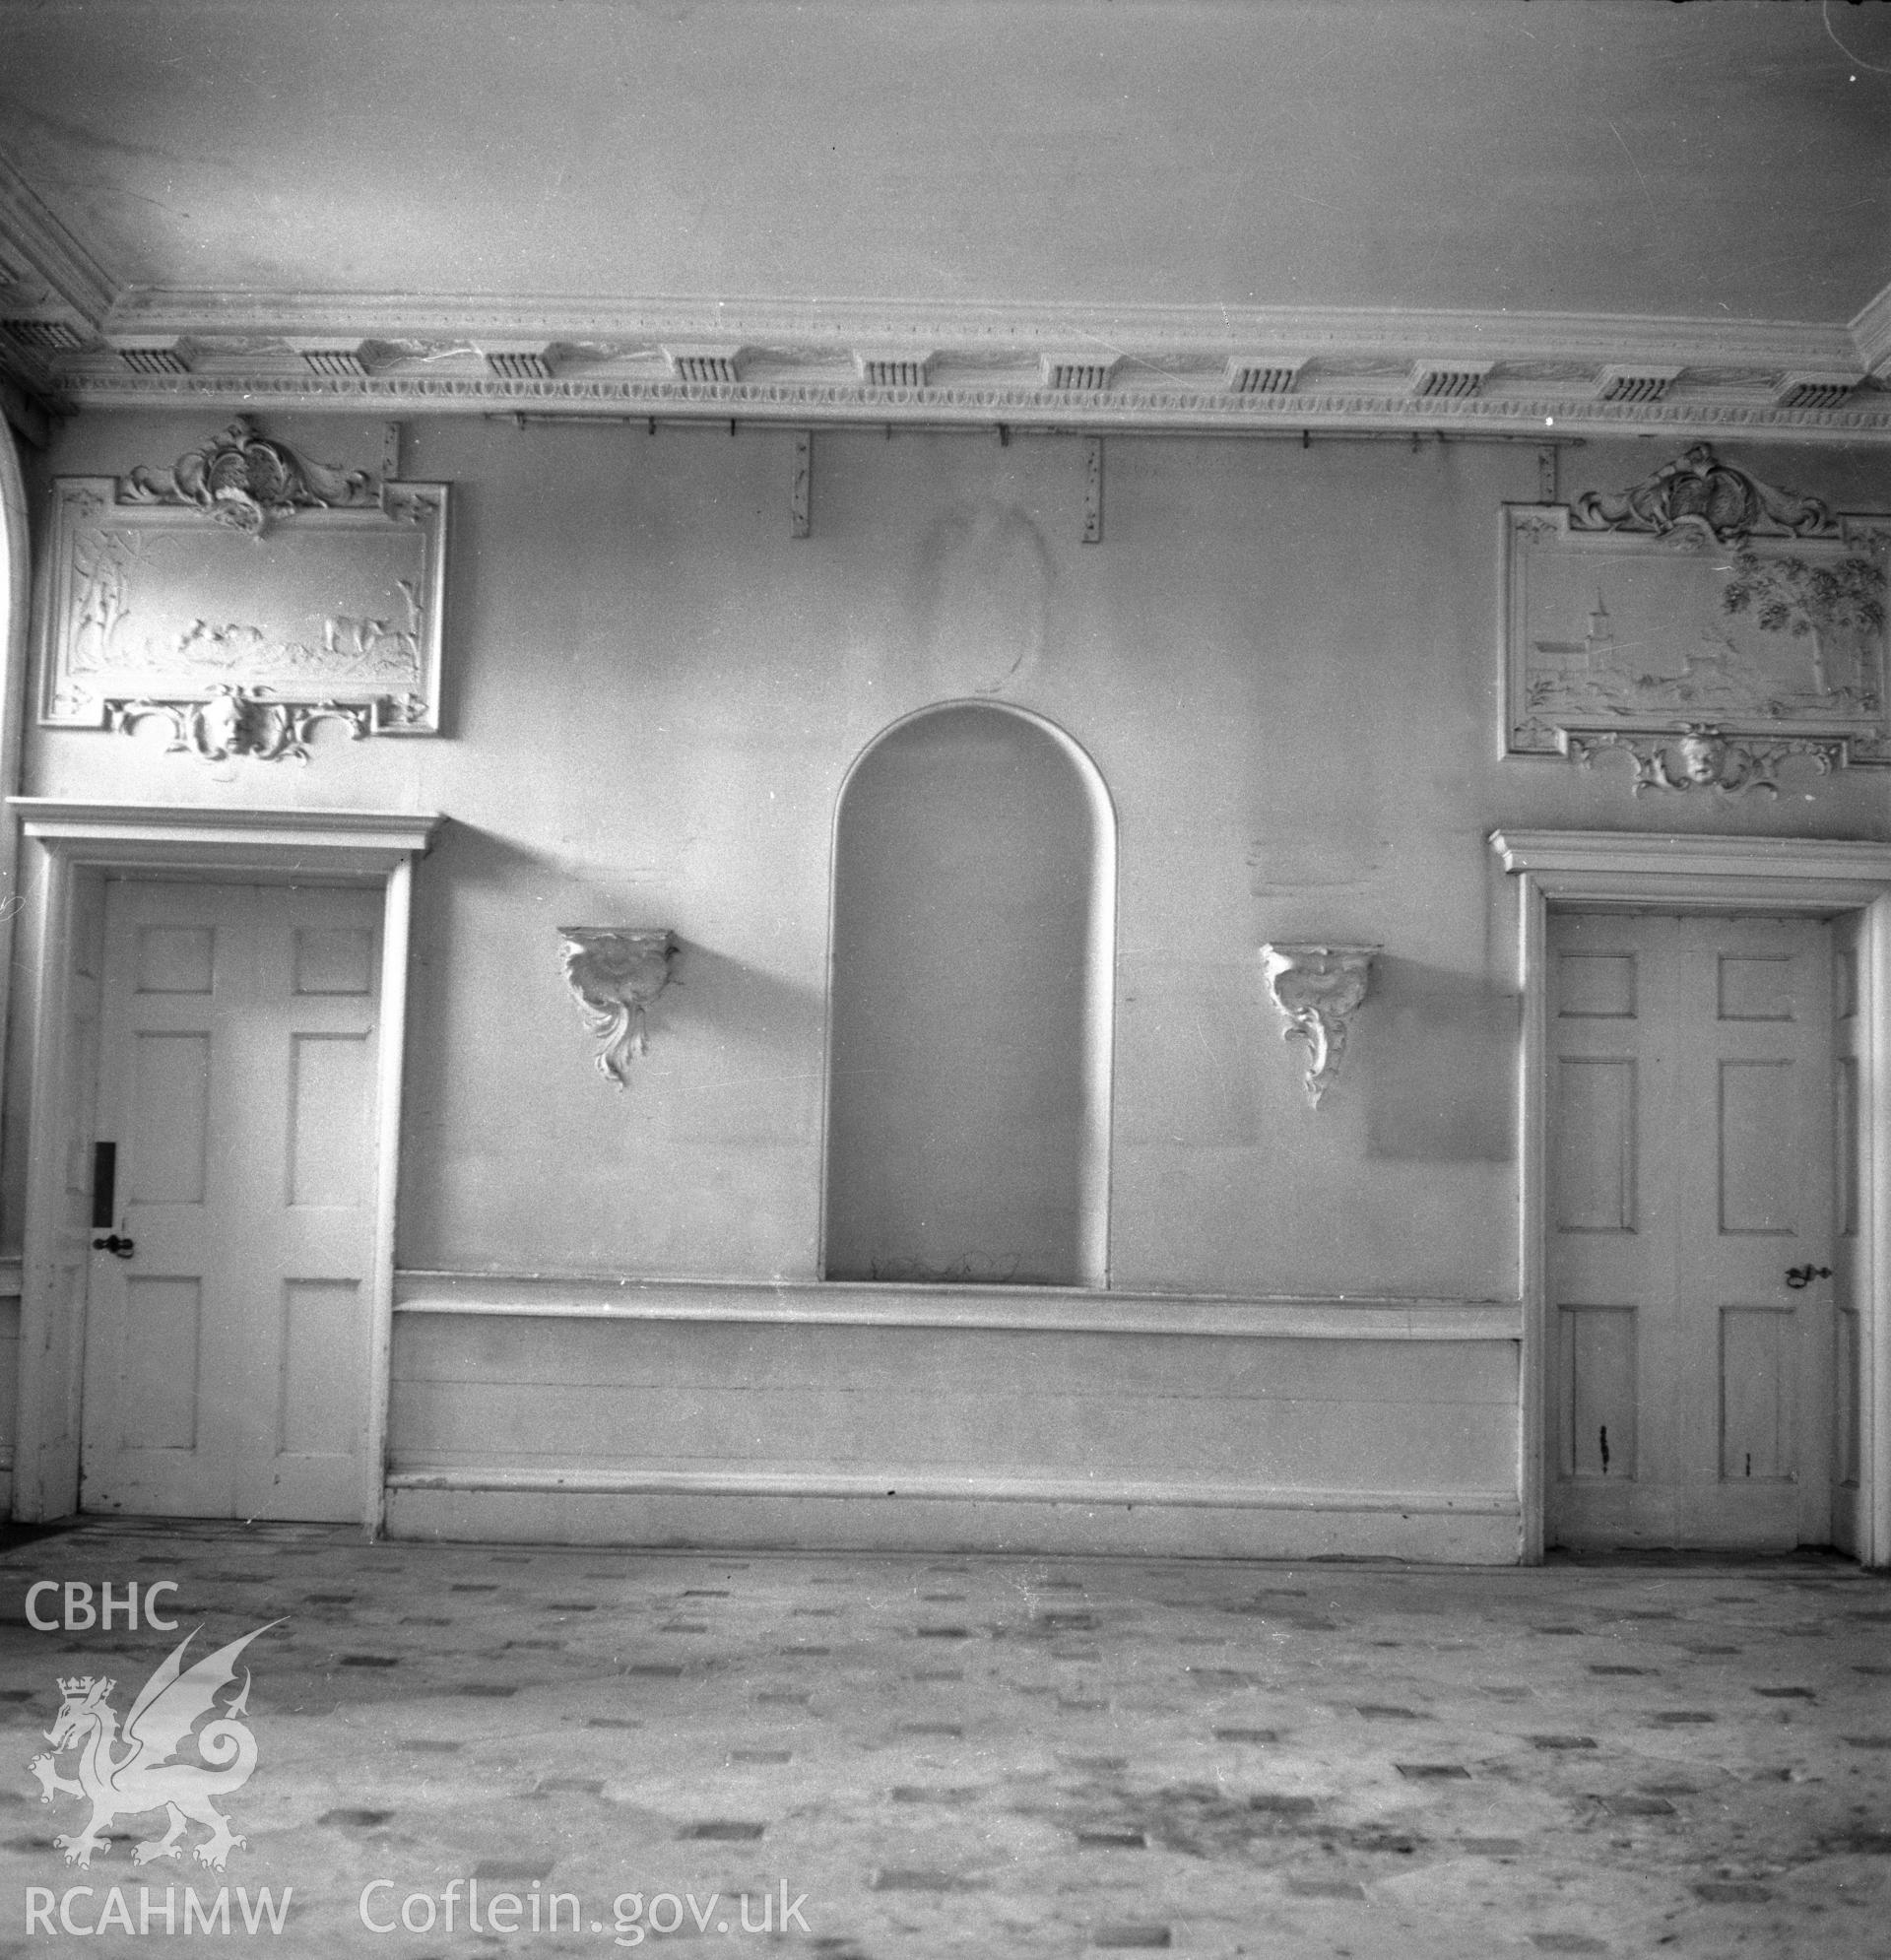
(751, 1044)
(519, 1153)
(1434, 1053)
(467, 856)
(742, 1027)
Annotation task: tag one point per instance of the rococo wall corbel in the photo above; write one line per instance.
(615, 973)
(1318, 989)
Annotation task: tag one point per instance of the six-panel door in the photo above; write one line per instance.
(226, 1347)
(1691, 1183)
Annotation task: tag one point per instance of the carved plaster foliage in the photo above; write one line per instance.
(1317, 989)
(243, 480)
(1699, 491)
(1701, 757)
(1707, 624)
(245, 594)
(615, 973)
(238, 721)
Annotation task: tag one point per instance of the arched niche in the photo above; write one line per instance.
(970, 998)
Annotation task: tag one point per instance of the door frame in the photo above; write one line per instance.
(74, 844)
(1819, 876)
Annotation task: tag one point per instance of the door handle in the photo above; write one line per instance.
(1800, 1277)
(124, 1248)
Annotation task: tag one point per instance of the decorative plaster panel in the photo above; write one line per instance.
(244, 594)
(1709, 625)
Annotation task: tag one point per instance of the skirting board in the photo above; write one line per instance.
(1464, 1529)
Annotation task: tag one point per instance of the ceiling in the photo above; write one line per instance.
(202, 194)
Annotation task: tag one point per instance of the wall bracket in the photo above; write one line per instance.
(1318, 989)
(615, 973)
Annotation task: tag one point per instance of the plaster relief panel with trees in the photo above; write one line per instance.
(241, 595)
(1713, 627)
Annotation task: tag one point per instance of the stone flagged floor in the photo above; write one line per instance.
(985, 1756)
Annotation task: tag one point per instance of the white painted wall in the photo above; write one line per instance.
(1285, 664)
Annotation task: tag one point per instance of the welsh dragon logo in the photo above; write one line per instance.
(141, 1771)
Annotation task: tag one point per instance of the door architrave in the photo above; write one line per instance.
(80, 844)
(1817, 876)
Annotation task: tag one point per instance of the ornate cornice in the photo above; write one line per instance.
(1110, 331)
(923, 361)
(45, 273)
(1204, 407)
(1871, 335)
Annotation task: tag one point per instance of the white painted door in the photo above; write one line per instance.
(1852, 1162)
(227, 1350)
(1691, 1185)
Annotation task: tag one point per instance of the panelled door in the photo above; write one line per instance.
(226, 1345)
(1691, 1231)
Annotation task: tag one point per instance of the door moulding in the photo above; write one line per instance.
(1819, 876)
(77, 845)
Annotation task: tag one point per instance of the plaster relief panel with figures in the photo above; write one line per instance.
(1713, 627)
(241, 595)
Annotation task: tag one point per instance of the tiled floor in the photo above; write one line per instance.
(982, 1756)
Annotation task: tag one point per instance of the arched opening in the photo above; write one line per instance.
(970, 998)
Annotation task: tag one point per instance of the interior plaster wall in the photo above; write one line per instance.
(1283, 660)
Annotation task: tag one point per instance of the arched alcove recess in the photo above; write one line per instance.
(970, 1000)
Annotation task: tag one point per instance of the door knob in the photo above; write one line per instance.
(124, 1248)
(1802, 1277)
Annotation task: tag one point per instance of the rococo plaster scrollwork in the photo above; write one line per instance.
(240, 721)
(244, 595)
(1317, 989)
(1701, 757)
(615, 973)
(243, 480)
(1697, 490)
(1711, 626)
